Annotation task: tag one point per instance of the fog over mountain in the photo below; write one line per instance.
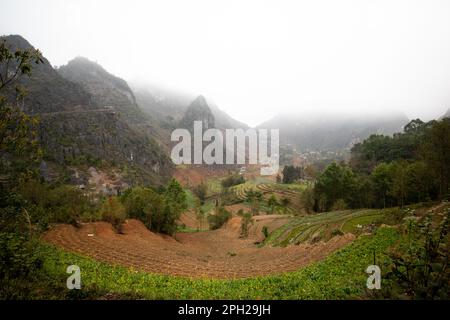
(333, 132)
(169, 105)
(256, 59)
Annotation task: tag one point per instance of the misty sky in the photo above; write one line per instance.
(258, 58)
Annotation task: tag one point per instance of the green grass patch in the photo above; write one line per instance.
(189, 230)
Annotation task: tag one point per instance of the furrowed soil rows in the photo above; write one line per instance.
(307, 229)
(212, 254)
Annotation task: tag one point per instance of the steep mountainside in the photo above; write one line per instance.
(332, 132)
(223, 120)
(166, 105)
(111, 92)
(198, 110)
(105, 88)
(48, 92)
(169, 106)
(91, 121)
(446, 115)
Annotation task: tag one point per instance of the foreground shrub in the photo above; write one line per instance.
(68, 204)
(265, 231)
(61, 204)
(161, 217)
(419, 267)
(246, 222)
(19, 265)
(135, 201)
(219, 218)
(232, 180)
(114, 212)
(340, 204)
(201, 191)
(159, 211)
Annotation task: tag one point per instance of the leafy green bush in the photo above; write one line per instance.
(336, 232)
(20, 262)
(393, 216)
(159, 211)
(176, 197)
(419, 267)
(201, 191)
(265, 231)
(272, 203)
(219, 218)
(45, 204)
(113, 212)
(161, 217)
(11, 218)
(246, 221)
(17, 257)
(340, 204)
(232, 180)
(135, 201)
(255, 199)
(67, 204)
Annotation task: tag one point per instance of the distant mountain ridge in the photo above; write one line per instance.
(105, 88)
(332, 132)
(446, 115)
(169, 106)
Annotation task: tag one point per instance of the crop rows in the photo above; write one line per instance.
(197, 255)
(322, 226)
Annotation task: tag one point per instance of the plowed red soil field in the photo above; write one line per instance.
(213, 254)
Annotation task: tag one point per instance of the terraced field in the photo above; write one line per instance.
(268, 189)
(293, 242)
(209, 254)
(323, 226)
(240, 191)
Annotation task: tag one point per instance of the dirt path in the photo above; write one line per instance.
(213, 254)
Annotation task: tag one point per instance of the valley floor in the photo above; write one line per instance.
(210, 254)
(339, 276)
(139, 264)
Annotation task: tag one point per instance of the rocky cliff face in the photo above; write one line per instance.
(88, 115)
(105, 88)
(113, 93)
(198, 110)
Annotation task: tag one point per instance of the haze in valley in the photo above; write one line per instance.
(256, 59)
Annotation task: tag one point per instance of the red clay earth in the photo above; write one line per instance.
(193, 175)
(190, 176)
(210, 254)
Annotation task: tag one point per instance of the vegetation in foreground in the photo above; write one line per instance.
(340, 276)
(412, 255)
